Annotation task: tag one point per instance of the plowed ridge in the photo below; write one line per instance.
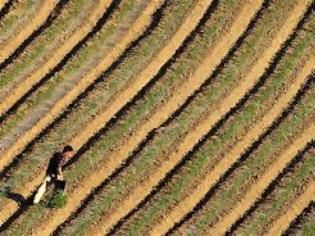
(137, 28)
(9, 46)
(24, 86)
(188, 203)
(269, 175)
(302, 202)
(193, 137)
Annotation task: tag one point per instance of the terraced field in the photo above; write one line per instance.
(188, 117)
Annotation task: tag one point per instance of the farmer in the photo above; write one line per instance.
(54, 171)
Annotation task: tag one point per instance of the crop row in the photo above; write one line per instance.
(16, 26)
(23, 9)
(282, 196)
(192, 181)
(154, 171)
(5, 7)
(217, 148)
(142, 169)
(304, 224)
(49, 100)
(93, 103)
(300, 204)
(72, 24)
(249, 178)
(171, 78)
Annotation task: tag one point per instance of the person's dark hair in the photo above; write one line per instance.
(67, 148)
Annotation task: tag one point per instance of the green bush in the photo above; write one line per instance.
(58, 200)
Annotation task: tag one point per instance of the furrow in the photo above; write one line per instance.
(2, 3)
(131, 90)
(8, 46)
(18, 13)
(304, 223)
(17, 56)
(201, 72)
(25, 84)
(12, 206)
(243, 175)
(196, 166)
(279, 196)
(144, 77)
(5, 6)
(199, 49)
(284, 221)
(114, 155)
(193, 137)
(257, 190)
(133, 32)
(30, 185)
(188, 203)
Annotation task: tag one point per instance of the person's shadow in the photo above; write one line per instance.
(18, 198)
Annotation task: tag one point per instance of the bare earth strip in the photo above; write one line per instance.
(188, 204)
(193, 82)
(299, 204)
(9, 46)
(131, 35)
(262, 183)
(193, 137)
(54, 59)
(139, 25)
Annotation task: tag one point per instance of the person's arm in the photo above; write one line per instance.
(61, 162)
(60, 175)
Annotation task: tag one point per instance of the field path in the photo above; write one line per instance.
(9, 46)
(24, 86)
(197, 194)
(134, 31)
(194, 136)
(262, 183)
(299, 204)
(201, 74)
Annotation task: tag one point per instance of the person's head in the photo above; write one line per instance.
(67, 152)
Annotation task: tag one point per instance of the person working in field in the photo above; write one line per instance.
(54, 172)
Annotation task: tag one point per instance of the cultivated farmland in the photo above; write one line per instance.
(187, 117)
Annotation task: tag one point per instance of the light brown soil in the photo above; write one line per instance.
(9, 46)
(299, 204)
(197, 194)
(25, 85)
(262, 183)
(138, 27)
